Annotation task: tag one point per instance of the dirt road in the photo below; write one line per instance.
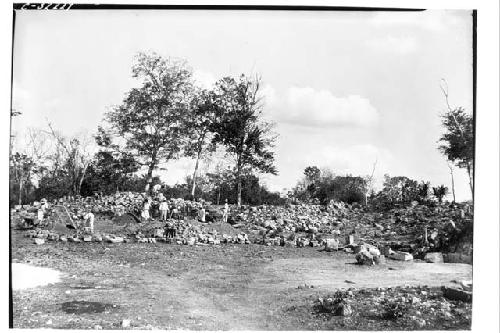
(201, 288)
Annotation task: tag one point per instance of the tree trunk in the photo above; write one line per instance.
(452, 183)
(193, 187)
(471, 180)
(239, 191)
(20, 190)
(149, 177)
(238, 179)
(218, 197)
(80, 180)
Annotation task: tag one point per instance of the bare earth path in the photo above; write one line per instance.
(201, 288)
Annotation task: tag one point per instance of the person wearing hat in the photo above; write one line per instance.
(89, 219)
(145, 209)
(42, 211)
(163, 209)
(201, 214)
(225, 212)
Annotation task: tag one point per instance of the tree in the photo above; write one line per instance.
(370, 182)
(22, 167)
(458, 141)
(219, 178)
(240, 128)
(76, 154)
(439, 192)
(312, 174)
(150, 117)
(111, 168)
(198, 125)
(452, 181)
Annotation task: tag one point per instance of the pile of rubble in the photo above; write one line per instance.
(399, 233)
(116, 204)
(174, 232)
(417, 229)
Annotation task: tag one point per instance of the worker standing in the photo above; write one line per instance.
(89, 220)
(225, 212)
(164, 210)
(201, 214)
(145, 209)
(42, 211)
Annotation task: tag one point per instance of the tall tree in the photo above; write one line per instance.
(452, 181)
(312, 174)
(21, 169)
(150, 117)
(439, 192)
(241, 129)
(76, 154)
(198, 124)
(458, 140)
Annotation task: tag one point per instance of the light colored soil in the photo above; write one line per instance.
(28, 276)
(230, 287)
(332, 273)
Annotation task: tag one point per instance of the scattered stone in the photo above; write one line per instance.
(457, 294)
(434, 257)
(39, 241)
(402, 256)
(125, 323)
(331, 244)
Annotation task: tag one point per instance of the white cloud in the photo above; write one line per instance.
(400, 45)
(356, 160)
(319, 108)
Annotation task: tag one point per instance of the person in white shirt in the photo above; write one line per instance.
(89, 220)
(156, 188)
(163, 210)
(42, 211)
(145, 209)
(225, 212)
(201, 214)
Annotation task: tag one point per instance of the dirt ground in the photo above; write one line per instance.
(225, 287)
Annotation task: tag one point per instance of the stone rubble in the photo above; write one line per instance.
(434, 233)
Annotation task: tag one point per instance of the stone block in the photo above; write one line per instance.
(457, 294)
(434, 257)
(402, 256)
(39, 241)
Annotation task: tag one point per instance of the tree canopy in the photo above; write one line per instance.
(150, 117)
(457, 143)
(239, 127)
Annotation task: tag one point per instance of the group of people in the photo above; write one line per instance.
(44, 211)
(168, 210)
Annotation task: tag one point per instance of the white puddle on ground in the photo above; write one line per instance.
(26, 276)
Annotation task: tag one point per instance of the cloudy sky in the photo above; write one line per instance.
(344, 88)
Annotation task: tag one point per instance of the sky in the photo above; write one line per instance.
(345, 89)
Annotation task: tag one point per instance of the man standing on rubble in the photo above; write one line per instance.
(42, 211)
(201, 214)
(225, 212)
(89, 220)
(163, 210)
(145, 209)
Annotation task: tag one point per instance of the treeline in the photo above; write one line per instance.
(166, 117)
(322, 186)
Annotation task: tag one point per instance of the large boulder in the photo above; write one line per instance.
(434, 257)
(331, 244)
(402, 256)
(457, 294)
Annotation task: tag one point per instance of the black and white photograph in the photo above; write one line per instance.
(247, 167)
